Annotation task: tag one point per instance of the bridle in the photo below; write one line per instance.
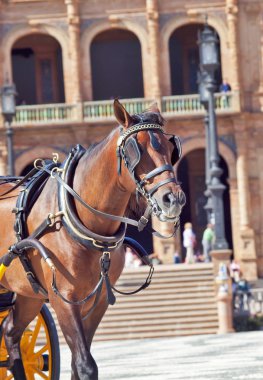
(129, 151)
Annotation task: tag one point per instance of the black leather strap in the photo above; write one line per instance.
(159, 184)
(87, 206)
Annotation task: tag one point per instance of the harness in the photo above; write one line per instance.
(128, 150)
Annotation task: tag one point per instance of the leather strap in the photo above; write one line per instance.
(87, 206)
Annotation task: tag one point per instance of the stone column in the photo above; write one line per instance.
(74, 82)
(247, 253)
(3, 155)
(165, 248)
(154, 48)
(232, 23)
(221, 261)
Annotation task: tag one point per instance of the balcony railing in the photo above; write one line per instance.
(45, 113)
(104, 109)
(171, 106)
(190, 104)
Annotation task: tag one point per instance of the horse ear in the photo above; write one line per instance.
(123, 117)
(154, 108)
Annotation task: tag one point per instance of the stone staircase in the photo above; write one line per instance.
(179, 301)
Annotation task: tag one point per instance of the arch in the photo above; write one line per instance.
(191, 171)
(121, 75)
(28, 157)
(175, 23)
(90, 33)
(38, 70)
(228, 155)
(21, 31)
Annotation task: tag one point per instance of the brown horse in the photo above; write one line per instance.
(78, 235)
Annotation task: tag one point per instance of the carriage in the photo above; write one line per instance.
(39, 345)
(66, 247)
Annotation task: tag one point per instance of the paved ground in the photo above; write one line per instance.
(208, 357)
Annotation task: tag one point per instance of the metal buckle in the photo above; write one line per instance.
(55, 169)
(52, 217)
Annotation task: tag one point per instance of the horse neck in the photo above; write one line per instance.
(96, 180)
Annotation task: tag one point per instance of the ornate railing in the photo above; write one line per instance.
(104, 109)
(190, 104)
(251, 301)
(171, 106)
(45, 113)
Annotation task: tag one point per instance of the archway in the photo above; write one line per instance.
(38, 70)
(184, 60)
(116, 65)
(191, 173)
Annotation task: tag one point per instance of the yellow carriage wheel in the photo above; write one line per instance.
(39, 348)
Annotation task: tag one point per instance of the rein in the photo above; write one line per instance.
(128, 151)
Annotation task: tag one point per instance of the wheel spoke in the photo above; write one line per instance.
(34, 336)
(41, 351)
(41, 374)
(30, 375)
(9, 377)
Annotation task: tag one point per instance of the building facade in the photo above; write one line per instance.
(70, 58)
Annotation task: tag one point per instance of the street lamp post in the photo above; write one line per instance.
(209, 62)
(204, 98)
(8, 93)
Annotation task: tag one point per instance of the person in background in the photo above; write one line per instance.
(235, 271)
(189, 242)
(225, 86)
(224, 89)
(177, 258)
(131, 259)
(207, 241)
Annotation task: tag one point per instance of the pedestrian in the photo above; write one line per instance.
(131, 259)
(225, 86)
(177, 258)
(235, 271)
(189, 242)
(207, 241)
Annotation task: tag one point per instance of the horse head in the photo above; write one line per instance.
(149, 154)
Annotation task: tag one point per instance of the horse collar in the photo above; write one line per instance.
(70, 220)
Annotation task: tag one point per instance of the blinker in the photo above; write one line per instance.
(177, 151)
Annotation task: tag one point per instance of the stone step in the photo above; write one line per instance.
(179, 301)
(150, 293)
(157, 334)
(178, 286)
(170, 270)
(165, 280)
(138, 322)
(167, 302)
(164, 312)
(161, 327)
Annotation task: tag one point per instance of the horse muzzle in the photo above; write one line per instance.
(169, 205)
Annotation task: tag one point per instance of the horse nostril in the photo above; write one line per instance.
(169, 199)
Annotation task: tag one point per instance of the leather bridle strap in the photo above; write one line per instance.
(155, 172)
(159, 184)
(86, 205)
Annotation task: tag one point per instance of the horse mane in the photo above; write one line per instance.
(148, 116)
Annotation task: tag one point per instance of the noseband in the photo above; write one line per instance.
(129, 151)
